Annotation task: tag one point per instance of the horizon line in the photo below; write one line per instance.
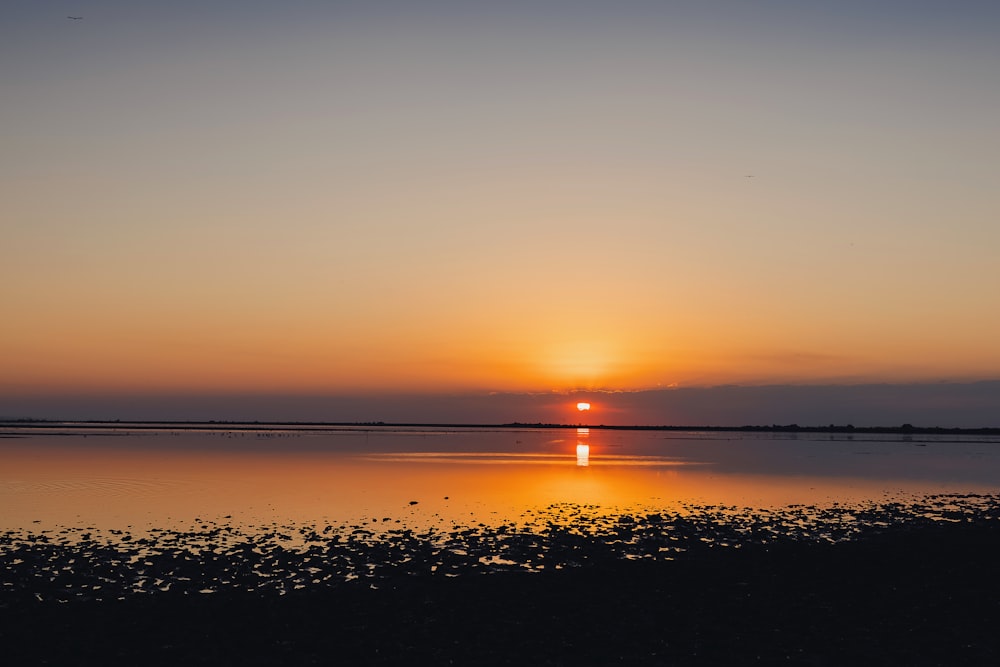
(902, 429)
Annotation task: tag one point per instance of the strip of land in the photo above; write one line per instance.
(903, 429)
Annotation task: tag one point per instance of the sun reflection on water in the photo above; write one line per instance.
(582, 448)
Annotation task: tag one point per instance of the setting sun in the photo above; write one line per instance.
(583, 407)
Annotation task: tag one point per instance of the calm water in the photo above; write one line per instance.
(109, 513)
(167, 478)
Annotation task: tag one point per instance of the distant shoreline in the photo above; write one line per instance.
(903, 429)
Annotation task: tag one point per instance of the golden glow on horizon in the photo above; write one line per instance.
(587, 363)
(83, 342)
(77, 351)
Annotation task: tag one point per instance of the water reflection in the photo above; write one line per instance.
(582, 447)
(188, 511)
(166, 477)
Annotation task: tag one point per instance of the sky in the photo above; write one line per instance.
(375, 199)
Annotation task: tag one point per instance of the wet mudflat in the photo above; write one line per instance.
(893, 583)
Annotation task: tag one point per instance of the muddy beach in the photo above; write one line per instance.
(878, 584)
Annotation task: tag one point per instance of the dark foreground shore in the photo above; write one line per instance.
(908, 595)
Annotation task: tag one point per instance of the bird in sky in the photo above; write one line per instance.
(75, 18)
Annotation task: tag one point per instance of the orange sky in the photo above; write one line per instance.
(374, 202)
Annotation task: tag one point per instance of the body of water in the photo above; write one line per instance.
(93, 513)
(121, 478)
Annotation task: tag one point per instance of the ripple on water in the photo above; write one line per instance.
(113, 486)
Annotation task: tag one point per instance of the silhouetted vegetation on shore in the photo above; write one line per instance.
(903, 429)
